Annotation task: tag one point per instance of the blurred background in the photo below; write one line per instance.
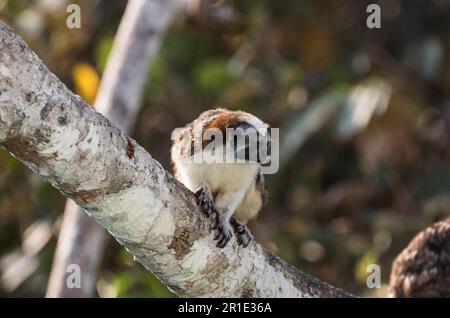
(364, 118)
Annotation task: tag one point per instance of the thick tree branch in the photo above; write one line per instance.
(119, 184)
(81, 240)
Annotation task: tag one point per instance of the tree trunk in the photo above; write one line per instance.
(118, 183)
(81, 240)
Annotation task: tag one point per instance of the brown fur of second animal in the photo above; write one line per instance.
(423, 268)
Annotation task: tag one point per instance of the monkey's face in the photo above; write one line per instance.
(248, 143)
(222, 136)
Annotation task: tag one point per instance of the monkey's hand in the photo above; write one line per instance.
(223, 227)
(206, 204)
(244, 237)
(205, 200)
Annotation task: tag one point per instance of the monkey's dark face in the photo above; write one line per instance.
(249, 143)
(235, 136)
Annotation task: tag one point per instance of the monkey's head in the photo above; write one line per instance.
(243, 136)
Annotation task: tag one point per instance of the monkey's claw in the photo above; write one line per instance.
(204, 201)
(244, 238)
(225, 234)
(243, 235)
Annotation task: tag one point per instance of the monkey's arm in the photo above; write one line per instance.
(254, 199)
(225, 204)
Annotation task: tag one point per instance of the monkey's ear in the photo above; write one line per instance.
(178, 134)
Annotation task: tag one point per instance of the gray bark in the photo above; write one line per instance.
(119, 184)
(81, 240)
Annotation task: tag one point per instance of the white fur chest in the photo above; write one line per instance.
(218, 177)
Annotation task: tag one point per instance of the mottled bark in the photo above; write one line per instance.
(81, 240)
(119, 184)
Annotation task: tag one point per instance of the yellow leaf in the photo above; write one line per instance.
(86, 80)
(361, 273)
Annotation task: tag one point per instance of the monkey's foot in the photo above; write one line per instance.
(225, 233)
(243, 235)
(204, 200)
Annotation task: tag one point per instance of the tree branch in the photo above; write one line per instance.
(118, 183)
(81, 240)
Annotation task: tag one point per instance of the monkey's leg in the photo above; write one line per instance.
(244, 237)
(225, 205)
(205, 200)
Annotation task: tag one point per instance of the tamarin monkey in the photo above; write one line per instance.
(233, 190)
